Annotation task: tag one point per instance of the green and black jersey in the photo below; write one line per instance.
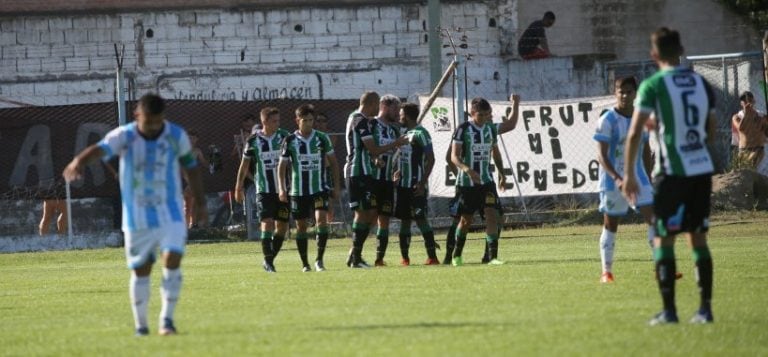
(264, 153)
(308, 157)
(412, 157)
(358, 157)
(681, 101)
(476, 145)
(384, 134)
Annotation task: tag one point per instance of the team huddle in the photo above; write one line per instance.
(388, 165)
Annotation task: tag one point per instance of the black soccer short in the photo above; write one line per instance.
(476, 198)
(681, 204)
(270, 206)
(302, 207)
(361, 195)
(384, 191)
(410, 206)
(453, 205)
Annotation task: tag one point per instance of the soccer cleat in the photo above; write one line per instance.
(607, 277)
(167, 329)
(678, 275)
(306, 269)
(447, 260)
(142, 331)
(432, 261)
(485, 259)
(663, 318)
(380, 263)
(319, 266)
(457, 261)
(405, 262)
(269, 268)
(496, 262)
(360, 265)
(702, 316)
(350, 259)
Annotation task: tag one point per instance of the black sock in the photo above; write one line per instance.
(405, 243)
(301, 244)
(429, 241)
(266, 246)
(277, 244)
(382, 239)
(322, 242)
(461, 238)
(665, 275)
(493, 249)
(704, 274)
(450, 244)
(361, 231)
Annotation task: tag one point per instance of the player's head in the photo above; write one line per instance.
(369, 103)
(305, 118)
(625, 89)
(480, 110)
(666, 45)
(409, 114)
(149, 111)
(389, 105)
(247, 121)
(270, 118)
(746, 99)
(548, 19)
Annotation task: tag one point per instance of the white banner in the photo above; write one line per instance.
(550, 152)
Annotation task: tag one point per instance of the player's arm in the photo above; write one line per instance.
(376, 150)
(429, 164)
(282, 168)
(449, 161)
(499, 162)
(635, 134)
(460, 165)
(647, 159)
(74, 170)
(195, 181)
(510, 120)
(605, 163)
(242, 173)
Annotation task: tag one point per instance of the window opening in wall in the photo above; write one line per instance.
(150, 33)
(492, 22)
(298, 28)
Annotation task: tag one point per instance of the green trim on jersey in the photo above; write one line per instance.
(264, 153)
(358, 158)
(308, 160)
(681, 101)
(384, 134)
(413, 157)
(476, 150)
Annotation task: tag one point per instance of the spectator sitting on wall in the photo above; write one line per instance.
(533, 43)
(752, 126)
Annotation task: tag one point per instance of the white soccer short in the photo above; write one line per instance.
(613, 203)
(141, 245)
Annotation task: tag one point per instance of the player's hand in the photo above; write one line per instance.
(201, 213)
(619, 182)
(239, 195)
(502, 182)
(403, 140)
(379, 162)
(73, 171)
(283, 196)
(514, 98)
(630, 189)
(396, 175)
(474, 176)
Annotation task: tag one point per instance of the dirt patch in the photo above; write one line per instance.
(740, 189)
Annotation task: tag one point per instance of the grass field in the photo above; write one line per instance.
(545, 301)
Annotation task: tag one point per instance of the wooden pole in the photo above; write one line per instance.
(437, 90)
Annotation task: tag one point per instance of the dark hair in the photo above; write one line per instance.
(192, 133)
(305, 110)
(667, 43)
(411, 110)
(152, 104)
(369, 97)
(479, 105)
(268, 111)
(746, 95)
(622, 81)
(549, 15)
(246, 117)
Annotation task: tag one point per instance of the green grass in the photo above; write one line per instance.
(545, 301)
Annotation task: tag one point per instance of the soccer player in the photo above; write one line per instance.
(473, 144)
(414, 165)
(262, 154)
(308, 150)
(385, 129)
(683, 106)
(358, 171)
(611, 132)
(152, 152)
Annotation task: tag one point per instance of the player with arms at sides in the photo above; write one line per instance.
(682, 103)
(385, 129)
(358, 171)
(611, 134)
(474, 144)
(152, 152)
(307, 151)
(414, 165)
(509, 122)
(262, 154)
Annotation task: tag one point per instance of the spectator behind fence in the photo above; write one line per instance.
(751, 125)
(51, 206)
(189, 198)
(533, 42)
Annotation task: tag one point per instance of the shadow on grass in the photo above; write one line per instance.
(415, 325)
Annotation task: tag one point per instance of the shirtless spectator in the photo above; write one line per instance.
(752, 126)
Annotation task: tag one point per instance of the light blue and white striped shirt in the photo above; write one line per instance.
(613, 128)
